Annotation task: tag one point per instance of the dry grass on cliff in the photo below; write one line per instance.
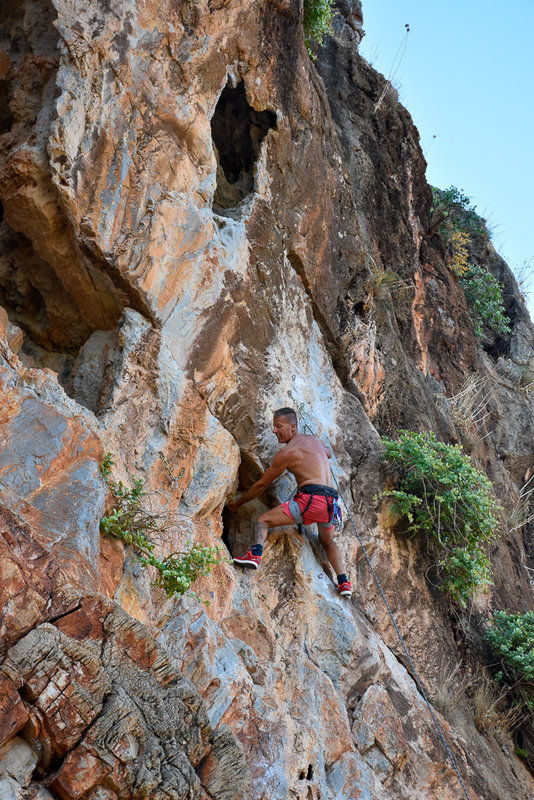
(394, 410)
(523, 276)
(489, 706)
(469, 407)
(490, 711)
(452, 688)
(386, 282)
(521, 513)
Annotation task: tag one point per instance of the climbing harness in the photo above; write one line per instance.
(332, 502)
(390, 612)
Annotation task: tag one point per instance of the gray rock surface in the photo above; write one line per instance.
(172, 292)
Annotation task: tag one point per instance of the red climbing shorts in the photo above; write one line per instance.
(318, 510)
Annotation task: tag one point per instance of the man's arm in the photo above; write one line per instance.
(275, 470)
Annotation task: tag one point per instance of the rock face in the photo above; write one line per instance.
(195, 222)
(99, 689)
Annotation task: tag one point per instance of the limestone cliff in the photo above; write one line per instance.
(194, 215)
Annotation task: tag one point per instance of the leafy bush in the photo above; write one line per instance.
(317, 22)
(460, 255)
(453, 214)
(485, 304)
(511, 637)
(452, 210)
(445, 497)
(135, 525)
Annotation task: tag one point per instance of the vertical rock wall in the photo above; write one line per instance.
(193, 219)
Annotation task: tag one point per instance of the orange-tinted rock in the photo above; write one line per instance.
(29, 576)
(80, 772)
(85, 622)
(5, 63)
(13, 714)
(97, 698)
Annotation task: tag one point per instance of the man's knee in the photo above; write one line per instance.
(274, 518)
(326, 535)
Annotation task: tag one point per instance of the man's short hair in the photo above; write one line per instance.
(288, 413)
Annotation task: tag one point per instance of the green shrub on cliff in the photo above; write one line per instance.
(135, 525)
(445, 497)
(454, 216)
(451, 211)
(485, 304)
(317, 22)
(511, 637)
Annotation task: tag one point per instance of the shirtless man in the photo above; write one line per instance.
(307, 459)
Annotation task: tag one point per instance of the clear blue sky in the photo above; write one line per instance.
(467, 77)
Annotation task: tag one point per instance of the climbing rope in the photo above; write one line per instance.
(399, 634)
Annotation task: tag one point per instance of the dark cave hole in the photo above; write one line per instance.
(46, 327)
(306, 774)
(361, 310)
(238, 531)
(226, 534)
(499, 348)
(6, 117)
(238, 131)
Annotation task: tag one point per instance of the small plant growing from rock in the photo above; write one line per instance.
(454, 216)
(511, 637)
(317, 22)
(453, 211)
(460, 254)
(445, 497)
(135, 525)
(483, 294)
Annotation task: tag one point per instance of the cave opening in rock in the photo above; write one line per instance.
(238, 527)
(238, 131)
(53, 297)
(6, 117)
(46, 328)
(226, 531)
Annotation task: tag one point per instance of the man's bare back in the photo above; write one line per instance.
(307, 459)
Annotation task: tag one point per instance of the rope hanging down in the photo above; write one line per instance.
(399, 634)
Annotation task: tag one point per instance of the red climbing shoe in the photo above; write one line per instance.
(248, 560)
(344, 588)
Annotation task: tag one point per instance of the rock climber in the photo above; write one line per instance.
(306, 457)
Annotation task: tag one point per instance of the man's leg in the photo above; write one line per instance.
(274, 518)
(333, 553)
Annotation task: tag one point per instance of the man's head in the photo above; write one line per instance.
(285, 424)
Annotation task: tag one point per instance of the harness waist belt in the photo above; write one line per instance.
(317, 488)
